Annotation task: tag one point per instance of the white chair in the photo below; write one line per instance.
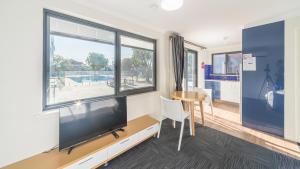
(208, 98)
(173, 109)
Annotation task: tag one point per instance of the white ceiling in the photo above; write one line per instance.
(208, 22)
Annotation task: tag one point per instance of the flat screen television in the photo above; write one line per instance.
(79, 123)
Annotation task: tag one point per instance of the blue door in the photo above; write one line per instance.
(263, 89)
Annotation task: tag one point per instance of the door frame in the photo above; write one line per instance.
(185, 81)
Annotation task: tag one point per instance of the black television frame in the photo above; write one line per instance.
(100, 134)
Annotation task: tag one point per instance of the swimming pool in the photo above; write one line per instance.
(97, 78)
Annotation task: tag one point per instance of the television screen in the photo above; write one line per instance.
(81, 122)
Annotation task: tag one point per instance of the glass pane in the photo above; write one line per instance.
(131, 42)
(81, 62)
(219, 61)
(67, 28)
(233, 63)
(136, 64)
(190, 70)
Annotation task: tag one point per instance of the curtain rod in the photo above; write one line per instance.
(191, 43)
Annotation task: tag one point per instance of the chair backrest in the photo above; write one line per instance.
(172, 109)
(208, 92)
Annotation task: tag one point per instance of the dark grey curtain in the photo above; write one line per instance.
(178, 59)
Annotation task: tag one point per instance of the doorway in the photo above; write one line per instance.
(223, 79)
(190, 72)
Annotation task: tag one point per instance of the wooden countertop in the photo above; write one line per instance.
(188, 95)
(221, 80)
(56, 159)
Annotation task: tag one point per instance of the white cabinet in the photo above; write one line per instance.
(230, 91)
(122, 145)
(125, 144)
(90, 161)
(149, 131)
(115, 149)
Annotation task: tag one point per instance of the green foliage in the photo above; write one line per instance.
(140, 64)
(127, 65)
(62, 64)
(96, 61)
(142, 61)
(128, 68)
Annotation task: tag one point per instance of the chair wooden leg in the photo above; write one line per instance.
(190, 121)
(180, 137)
(211, 108)
(212, 111)
(187, 106)
(158, 134)
(192, 117)
(202, 112)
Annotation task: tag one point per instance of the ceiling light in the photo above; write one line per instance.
(78, 103)
(154, 6)
(225, 38)
(171, 5)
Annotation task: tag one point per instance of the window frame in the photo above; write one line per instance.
(143, 89)
(226, 61)
(117, 74)
(187, 50)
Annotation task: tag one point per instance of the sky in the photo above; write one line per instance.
(79, 49)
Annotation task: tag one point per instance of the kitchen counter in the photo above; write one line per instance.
(218, 80)
(227, 90)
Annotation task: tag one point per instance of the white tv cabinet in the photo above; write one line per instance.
(94, 153)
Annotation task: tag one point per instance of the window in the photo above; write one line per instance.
(85, 60)
(219, 61)
(190, 72)
(226, 63)
(137, 58)
(233, 63)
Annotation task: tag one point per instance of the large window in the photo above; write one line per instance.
(137, 60)
(226, 63)
(233, 63)
(190, 71)
(85, 60)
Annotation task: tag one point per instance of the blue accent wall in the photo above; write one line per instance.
(263, 89)
(207, 71)
(208, 74)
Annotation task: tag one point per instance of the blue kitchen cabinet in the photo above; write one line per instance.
(215, 86)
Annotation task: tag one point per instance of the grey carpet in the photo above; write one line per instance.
(209, 149)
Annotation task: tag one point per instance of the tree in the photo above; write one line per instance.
(61, 64)
(128, 67)
(96, 61)
(142, 61)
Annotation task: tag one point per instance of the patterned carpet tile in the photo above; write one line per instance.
(209, 149)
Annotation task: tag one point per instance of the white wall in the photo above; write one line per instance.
(292, 79)
(25, 129)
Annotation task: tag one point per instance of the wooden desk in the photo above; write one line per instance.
(189, 97)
